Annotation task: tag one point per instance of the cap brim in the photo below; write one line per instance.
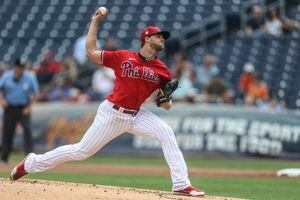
(19, 63)
(165, 34)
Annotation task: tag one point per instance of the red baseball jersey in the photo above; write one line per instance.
(136, 77)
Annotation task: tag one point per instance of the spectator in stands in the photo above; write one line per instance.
(103, 78)
(44, 73)
(63, 91)
(290, 25)
(255, 26)
(203, 72)
(258, 91)
(68, 71)
(64, 86)
(111, 44)
(53, 65)
(217, 90)
(182, 69)
(44, 77)
(247, 78)
(102, 83)
(79, 52)
(275, 104)
(274, 23)
(47, 68)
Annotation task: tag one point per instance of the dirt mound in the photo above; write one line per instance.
(51, 190)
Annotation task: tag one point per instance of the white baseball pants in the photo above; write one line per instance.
(109, 124)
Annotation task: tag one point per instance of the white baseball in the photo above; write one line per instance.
(103, 10)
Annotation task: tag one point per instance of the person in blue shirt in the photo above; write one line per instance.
(18, 89)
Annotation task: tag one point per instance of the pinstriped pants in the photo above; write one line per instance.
(109, 124)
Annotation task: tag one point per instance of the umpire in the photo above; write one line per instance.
(18, 88)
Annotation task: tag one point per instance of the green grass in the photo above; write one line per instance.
(201, 162)
(249, 188)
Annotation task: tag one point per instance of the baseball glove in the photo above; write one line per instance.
(165, 94)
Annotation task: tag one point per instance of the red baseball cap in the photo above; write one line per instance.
(152, 30)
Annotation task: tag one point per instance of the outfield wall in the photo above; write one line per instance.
(209, 129)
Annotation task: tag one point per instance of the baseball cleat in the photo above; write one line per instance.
(19, 170)
(190, 191)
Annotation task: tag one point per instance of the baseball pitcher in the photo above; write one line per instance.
(138, 75)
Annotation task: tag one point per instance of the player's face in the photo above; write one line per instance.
(157, 42)
(18, 72)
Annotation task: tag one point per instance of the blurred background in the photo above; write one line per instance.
(237, 62)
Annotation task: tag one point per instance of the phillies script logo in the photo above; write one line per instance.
(129, 70)
(149, 75)
(133, 72)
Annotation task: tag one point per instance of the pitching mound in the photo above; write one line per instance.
(49, 190)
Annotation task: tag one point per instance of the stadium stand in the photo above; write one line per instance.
(31, 27)
(276, 59)
(27, 27)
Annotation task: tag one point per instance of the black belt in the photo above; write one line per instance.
(131, 112)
